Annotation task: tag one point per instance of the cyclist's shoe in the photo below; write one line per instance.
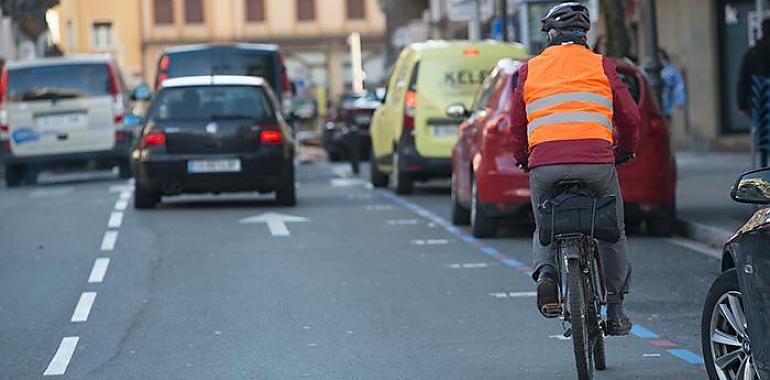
(547, 296)
(619, 326)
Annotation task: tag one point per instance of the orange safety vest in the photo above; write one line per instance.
(568, 96)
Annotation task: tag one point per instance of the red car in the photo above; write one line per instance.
(487, 186)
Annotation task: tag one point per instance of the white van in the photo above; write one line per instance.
(58, 112)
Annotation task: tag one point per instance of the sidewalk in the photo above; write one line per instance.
(705, 210)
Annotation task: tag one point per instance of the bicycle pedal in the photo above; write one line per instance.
(552, 310)
(568, 332)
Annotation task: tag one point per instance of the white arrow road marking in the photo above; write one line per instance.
(276, 223)
(61, 359)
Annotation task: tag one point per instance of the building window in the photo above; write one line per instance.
(193, 11)
(255, 10)
(305, 10)
(101, 33)
(164, 12)
(355, 9)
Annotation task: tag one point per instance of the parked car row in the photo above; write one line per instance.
(216, 123)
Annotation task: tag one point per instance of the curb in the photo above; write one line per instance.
(710, 235)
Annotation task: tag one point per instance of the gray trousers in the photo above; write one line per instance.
(602, 180)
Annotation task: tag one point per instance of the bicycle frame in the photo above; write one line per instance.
(577, 247)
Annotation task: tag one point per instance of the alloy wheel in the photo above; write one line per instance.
(730, 344)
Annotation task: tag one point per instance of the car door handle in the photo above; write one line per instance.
(62, 136)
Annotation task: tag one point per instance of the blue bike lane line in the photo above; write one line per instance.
(638, 330)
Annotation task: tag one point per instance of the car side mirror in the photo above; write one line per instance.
(141, 93)
(457, 111)
(753, 187)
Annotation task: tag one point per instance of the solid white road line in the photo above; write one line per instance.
(61, 360)
(99, 270)
(697, 247)
(116, 219)
(121, 204)
(108, 241)
(83, 309)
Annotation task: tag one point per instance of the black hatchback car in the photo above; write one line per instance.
(211, 134)
(736, 318)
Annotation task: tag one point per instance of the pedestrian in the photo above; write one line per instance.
(673, 93)
(572, 118)
(756, 64)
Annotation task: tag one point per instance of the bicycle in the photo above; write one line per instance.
(582, 291)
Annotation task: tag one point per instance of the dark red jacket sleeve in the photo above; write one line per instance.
(626, 112)
(518, 118)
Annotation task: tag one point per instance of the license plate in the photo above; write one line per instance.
(213, 166)
(362, 119)
(445, 131)
(61, 120)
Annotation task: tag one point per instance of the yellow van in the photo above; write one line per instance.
(412, 137)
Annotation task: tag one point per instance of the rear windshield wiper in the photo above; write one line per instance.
(49, 93)
(231, 117)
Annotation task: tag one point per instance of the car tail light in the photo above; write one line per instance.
(270, 137)
(154, 139)
(118, 109)
(285, 85)
(410, 109)
(162, 71)
(3, 112)
(657, 124)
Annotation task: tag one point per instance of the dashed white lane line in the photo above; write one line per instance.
(125, 195)
(99, 270)
(108, 241)
(469, 266)
(430, 242)
(61, 359)
(83, 309)
(121, 204)
(513, 294)
(116, 219)
(697, 247)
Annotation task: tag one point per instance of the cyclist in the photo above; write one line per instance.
(573, 118)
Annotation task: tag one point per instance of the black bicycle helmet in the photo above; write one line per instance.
(567, 16)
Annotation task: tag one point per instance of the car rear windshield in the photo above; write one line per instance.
(64, 81)
(632, 82)
(223, 61)
(211, 103)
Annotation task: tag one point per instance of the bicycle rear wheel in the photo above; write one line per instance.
(578, 309)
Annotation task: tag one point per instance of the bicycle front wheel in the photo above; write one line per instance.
(578, 309)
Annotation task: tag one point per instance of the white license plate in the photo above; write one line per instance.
(362, 119)
(61, 120)
(448, 131)
(214, 166)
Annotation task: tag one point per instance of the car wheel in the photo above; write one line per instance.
(661, 222)
(724, 337)
(461, 216)
(377, 177)
(482, 226)
(145, 198)
(124, 170)
(287, 194)
(13, 175)
(401, 181)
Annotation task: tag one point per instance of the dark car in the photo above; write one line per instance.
(258, 60)
(736, 318)
(212, 134)
(354, 110)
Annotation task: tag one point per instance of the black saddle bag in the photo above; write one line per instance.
(572, 213)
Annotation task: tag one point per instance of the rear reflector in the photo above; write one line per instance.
(120, 136)
(3, 112)
(472, 52)
(270, 136)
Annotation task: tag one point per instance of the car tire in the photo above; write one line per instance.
(461, 216)
(662, 222)
(13, 175)
(376, 176)
(124, 170)
(718, 299)
(287, 194)
(145, 198)
(482, 225)
(401, 181)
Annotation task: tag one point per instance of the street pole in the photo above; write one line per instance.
(504, 18)
(760, 9)
(474, 26)
(652, 65)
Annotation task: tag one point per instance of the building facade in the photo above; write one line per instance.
(312, 34)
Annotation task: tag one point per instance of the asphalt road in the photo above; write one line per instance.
(368, 286)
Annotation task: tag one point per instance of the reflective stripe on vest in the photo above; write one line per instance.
(568, 96)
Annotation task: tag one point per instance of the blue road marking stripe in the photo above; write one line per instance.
(686, 355)
(470, 239)
(490, 251)
(643, 333)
